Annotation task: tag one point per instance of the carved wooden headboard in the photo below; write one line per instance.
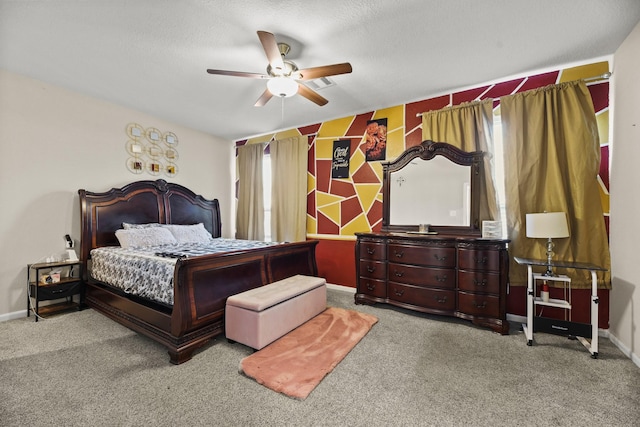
(141, 202)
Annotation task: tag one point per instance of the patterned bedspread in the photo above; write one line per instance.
(148, 272)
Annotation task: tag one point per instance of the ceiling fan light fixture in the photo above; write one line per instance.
(282, 86)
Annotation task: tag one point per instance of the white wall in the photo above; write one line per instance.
(624, 315)
(54, 142)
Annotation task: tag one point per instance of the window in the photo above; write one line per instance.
(498, 166)
(266, 180)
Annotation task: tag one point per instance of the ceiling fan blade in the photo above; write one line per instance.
(270, 46)
(264, 98)
(311, 95)
(325, 70)
(238, 74)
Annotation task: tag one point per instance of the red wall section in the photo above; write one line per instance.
(336, 263)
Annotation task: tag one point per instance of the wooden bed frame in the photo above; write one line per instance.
(201, 284)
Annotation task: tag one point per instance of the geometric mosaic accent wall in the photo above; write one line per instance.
(338, 208)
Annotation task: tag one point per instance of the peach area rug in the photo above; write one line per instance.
(296, 363)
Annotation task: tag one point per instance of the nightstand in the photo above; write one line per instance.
(51, 281)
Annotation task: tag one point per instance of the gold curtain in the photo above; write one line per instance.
(289, 189)
(552, 159)
(250, 211)
(468, 126)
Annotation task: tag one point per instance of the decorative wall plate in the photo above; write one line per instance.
(135, 148)
(135, 165)
(153, 135)
(154, 151)
(170, 139)
(171, 155)
(171, 169)
(154, 168)
(135, 131)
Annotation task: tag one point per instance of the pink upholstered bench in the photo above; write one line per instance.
(259, 316)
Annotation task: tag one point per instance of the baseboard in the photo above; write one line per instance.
(13, 316)
(624, 349)
(516, 318)
(341, 288)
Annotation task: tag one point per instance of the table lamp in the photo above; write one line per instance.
(547, 225)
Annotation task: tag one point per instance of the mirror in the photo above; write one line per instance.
(432, 183)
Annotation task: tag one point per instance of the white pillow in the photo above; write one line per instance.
(189, 233)
(138, 237)
(129, 226)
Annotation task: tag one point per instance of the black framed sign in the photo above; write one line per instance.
(341, 155)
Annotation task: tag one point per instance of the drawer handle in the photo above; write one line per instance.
(439, 258)
(398, 273)
(58, 291)
(370, 286)
(483, 305)
(370, 269)
(482, 260)
(441, 279)
(399, 292)
(371, 251)
(479, 283)
(440, 300)
(398, 254)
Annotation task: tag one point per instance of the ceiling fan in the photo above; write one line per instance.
(283, 75)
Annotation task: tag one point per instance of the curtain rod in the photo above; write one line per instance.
(604, 76)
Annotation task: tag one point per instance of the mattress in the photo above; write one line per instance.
(148, 271)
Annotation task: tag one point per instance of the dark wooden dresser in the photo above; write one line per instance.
(460, 276)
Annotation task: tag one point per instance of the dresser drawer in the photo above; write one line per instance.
(479, 305)
(422, 255)
(373, 269)
(479, 281)
(437, 299)
(373, 287)
(422, 276)
(372, 250)
(472, 259)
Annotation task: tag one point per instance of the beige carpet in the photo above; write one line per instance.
(296, 363)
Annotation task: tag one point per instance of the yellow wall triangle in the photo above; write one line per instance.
(584, 71)
(324, 149)
(311, 183)
(336, 127)
(332, 212)
(312, 225)
(324, 199)
(367, 193)
(603, 126)
(359, 224)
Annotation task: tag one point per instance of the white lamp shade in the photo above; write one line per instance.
(547, 225)
(282, 86)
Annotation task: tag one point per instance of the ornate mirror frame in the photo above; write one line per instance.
(427, 150)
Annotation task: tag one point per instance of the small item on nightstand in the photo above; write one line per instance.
(544, 293)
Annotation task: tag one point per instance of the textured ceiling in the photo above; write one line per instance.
(151, 55)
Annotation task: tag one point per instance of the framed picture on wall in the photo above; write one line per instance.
(340, 161)
(375, 140)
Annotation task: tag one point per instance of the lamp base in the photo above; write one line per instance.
(550, 254)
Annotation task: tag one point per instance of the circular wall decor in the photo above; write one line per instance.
(151, 151)
(135, 165)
